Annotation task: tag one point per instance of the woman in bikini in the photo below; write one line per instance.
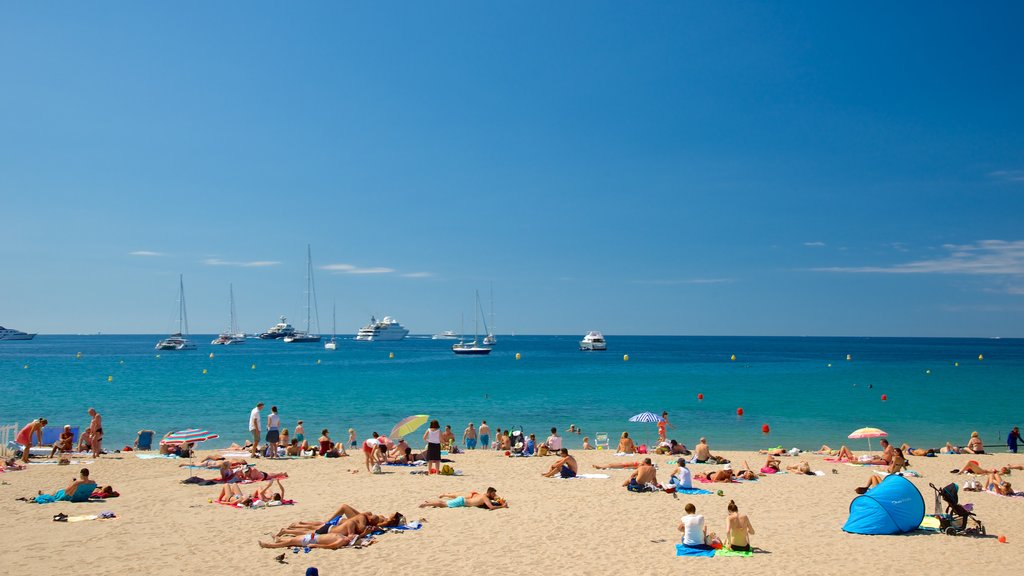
(802, 468)
(738, 529)
(975, 445)
(995, 483)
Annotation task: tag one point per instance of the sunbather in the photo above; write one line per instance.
(677, 449)
(723, 475)
(826, 450)
(995, 483)
(873, 481)
(845, 453)
(67, 493)
(973, 467)
(314, 540)
(626, 445)
(645, 474)
(344, 520)
(702, 453)
(738, 529)
(617, 466)
(488, 500)
(252, 473)
(918, 451)
(64, 443)
(801, 468)
(566, 466)
(975, 445)
(772, 464)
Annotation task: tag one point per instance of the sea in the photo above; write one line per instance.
(804, 391)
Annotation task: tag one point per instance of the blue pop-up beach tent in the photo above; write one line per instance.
(894, 506)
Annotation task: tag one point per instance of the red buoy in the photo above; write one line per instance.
(739, 411)
(765, 429)
(884, 397)
(700, 396)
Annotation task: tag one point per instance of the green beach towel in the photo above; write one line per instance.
(726, 552)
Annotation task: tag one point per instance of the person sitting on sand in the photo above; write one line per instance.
(800, 468)
(293, 449)
(899, 461)
(565, 466)
(975, 445)
(399, 452)
(626, 445)
(67, 493)
(994, 483)
(488, 500)
(738, 529)
(772, 464)
(644, 476)
(64, 443)
(681, 476)
(702, 453)
(695, 533)
(677, 449)
(586, 443)
(554, 442)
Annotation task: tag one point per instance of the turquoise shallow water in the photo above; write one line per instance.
(784, 382)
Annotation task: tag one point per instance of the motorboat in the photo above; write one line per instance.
(179, 340)
(279, 330)
(594, 340)
(11, 334)
(385, 330)
(446, 335)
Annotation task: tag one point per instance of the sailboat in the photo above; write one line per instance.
(232, 336)
(490, 340)
(332, 344)
(472, 348)
(308, 336)
(179, 340)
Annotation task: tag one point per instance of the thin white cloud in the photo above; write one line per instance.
(249, 264)
(815, 244)
(146, 253)
(352, 269)
(987, 257)
(417, 275)
(1008, 175)
(674, 282)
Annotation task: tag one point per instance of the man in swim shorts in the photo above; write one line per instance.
(645, 474)
(565, 466)
(469, 437)
(488, 500)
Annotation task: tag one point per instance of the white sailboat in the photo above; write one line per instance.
(308, 335)
(332, 344)
(473, 348)
(179, 340)
(232, 336)
(490, 340)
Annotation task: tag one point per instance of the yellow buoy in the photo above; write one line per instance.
(211, 354)
(518, 356)
(253, 366)
(733, 357)
(391, 354)
(625, 357)
(79, 355)
(110, 378)
(980, 357)
(847, 356)
(956, 364)
(204, 370)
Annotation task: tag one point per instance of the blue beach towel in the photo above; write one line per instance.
(684, 550)
(81, 494)
(693, 491)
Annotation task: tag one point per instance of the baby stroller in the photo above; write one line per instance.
(955, 520)
(518, 442)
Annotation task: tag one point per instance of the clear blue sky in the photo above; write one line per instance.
(639, 168)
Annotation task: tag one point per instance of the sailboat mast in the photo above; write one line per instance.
(476, 318)
(182, 313)
(232, 328)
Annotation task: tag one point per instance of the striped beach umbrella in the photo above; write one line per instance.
(646, 417)
(190, 436)
(868, 433)
(408, 425)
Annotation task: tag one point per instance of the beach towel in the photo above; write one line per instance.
(81, 494)
(693, 491)
(156, 456)
(684, 550)
(587, 477)
(727, 552)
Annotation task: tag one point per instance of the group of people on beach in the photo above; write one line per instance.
(90, 440)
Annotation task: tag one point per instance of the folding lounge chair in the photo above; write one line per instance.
(144, 441)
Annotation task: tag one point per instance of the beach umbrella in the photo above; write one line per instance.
(408, 425)
(646, 417)
(190, 436)
(868, 433)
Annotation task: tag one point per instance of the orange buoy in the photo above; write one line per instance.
(739, 411)
(884, 397)
(700, 396)
(765, 428)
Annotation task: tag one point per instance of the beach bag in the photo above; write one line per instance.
(642, 449)
(376, 468)
(447, 470)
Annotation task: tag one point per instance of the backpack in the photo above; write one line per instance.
(447, 470)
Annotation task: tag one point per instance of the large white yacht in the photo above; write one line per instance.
(279, 330)
(594, 340)
(11, 334)
(386, 329)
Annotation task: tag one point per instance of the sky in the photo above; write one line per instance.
(691, 168)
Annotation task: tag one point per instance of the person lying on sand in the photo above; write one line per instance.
(314, 540)
(617, 465)
(214, 462)
(488, 500)
(12, 464)
(675, 448)
(747, 473)
(645, 474)
(801, 468)
(723, 475)
(566, 466)
(232, 494)
(950, 449)
(972, 467)
(826, 450)
(256, 475)
(918, 451)
(995, 483)
(773, 451)
(344, 520)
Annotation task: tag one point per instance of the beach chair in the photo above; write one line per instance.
(52, 433)
(144, 441)
(601, 441)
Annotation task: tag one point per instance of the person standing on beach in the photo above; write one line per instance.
(96, 428)
(485, 435)
(433, 438)
(1011, 440)
(300, 434)
(273, 431)
(24, 437)
(469, 437)
(352, 437)
(254, 428)
(663, 426)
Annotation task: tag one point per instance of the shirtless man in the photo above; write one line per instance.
(469, 437)
(488, 500)
(702, 453)
(645, 474)
(566, 466)
(485, 435)
(345, 520)
(96, 428)
(447, 438)
(65, 443)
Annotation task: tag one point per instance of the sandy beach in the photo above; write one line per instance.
(581, 526)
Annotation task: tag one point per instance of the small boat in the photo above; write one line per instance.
(472, 348)
(11, 334)
(490, 340)
(446, 335)
(332, 344)
(387, 329)
(279, 330)
(594, 340)
(179, 340)
(308, 335)
(232, 336)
